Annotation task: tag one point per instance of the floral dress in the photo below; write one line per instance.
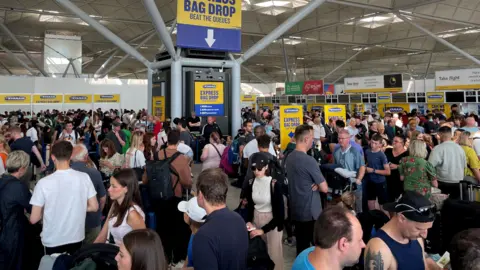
(418, 175)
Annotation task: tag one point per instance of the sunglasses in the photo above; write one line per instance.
(256, 169)
(427, 211)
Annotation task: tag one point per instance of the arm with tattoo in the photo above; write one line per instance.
(377, 255)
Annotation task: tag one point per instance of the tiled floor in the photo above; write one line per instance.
(232, 203)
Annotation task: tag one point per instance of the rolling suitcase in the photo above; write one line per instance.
(469, 191)
(457, 216)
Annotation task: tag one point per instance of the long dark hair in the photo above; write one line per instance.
(126, 178)
(146, 250)
(149, 149)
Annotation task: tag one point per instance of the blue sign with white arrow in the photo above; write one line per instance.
(209, 38)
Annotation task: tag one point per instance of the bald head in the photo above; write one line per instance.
(79, 153)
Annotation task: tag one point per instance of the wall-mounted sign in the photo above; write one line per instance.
(290, 118)
(77, 98)
(384, 98)
(372, 84)
(106, 98)
(47, 98)
(329, 89)
(304, 88)
(15, 99)
(393, 108)
(435, 97)
(158, 107)
(457, 79)
(338, 111)
(248, 98)
(209, 99)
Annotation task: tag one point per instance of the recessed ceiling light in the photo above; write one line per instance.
(458, 58)
(300, 58)
(259, 64)
(273, 3)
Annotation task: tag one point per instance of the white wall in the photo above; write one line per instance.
(409, 86)
(133, 93)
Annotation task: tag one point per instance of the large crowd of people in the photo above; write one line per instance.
(361, 191)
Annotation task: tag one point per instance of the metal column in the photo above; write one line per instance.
(18, 59)
(104, 31)
(17, 42)
(149, 91)
(236, 117)
(159, 24)
(428, 66)
(109, 59)
(439, 39)
(285, 60)
(126, 56)
(280, 30)
(176, 90)
(342, 64)
(6, 68)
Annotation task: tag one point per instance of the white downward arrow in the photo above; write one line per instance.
(210, 40)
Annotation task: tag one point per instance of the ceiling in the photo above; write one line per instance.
(379, 41)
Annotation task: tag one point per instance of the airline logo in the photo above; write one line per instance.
(48, 96)
(12, 98)
(78, 98)
(335, 110)
(435, 97)
(106, 96)
(395, 109)
(291, 110)
(383, 97)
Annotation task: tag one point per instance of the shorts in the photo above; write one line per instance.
(377, 190)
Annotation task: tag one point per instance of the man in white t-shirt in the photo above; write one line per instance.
(68, 134)
(252, 147)
(62, 201)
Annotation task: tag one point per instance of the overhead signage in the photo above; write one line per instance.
(373, 84)
(209, 99)
(15, 99)
(77, 98)
(441, 107)
(329, 89)
(394, 108)
(290, 118)
(209, 24)
(384, 98)
(435, 97)
(158, 107)
(106, 98)
(335, 111)
(47, 98)
(304, 88)
(457, 79)
(248, 98)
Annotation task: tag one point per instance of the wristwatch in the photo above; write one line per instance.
(373, 170)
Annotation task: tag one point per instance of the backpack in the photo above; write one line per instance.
(225, 164)
(1, 217)
(102, 254)
(278, 173)
(159, 174)
(234, 152)
(258, 258)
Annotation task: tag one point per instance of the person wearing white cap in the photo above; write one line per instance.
(194, 216)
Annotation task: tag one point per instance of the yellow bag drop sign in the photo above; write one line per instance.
(158, 105)
(114, 98)
(338, 111)
(15, 99)
(78, 98)
(290, 118)
(46, 98)
(225, 14)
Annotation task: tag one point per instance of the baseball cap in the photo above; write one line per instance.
(259, 161)
(116, 124)
(191, 208)
(414, 206)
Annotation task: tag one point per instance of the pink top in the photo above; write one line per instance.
(210, 158)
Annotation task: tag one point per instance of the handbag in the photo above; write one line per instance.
(216, 149)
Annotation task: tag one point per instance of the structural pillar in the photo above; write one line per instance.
(176, 90)
(149, 91)
(236, 117)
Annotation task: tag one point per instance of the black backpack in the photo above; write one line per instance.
(159, 174)
(258, 258)
(102, 254)
(5, 183)
(277, 172)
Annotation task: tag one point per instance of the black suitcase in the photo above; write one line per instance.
(457, 216)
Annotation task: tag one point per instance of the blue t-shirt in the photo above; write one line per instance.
(302, 262)
(189, 251)
(376, 160)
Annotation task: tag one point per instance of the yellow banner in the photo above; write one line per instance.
(393, 108)
(290, 118)
(16, 99)
(113, 98)
(375, 90)
(47, 98)
(208, 93)
(435, 97)
(442, 107)
(315, 107)
(384, 98)
(338, 111)
(158, 107)
(248, 98)
(78, 98)
(225, 14)
(456, 87)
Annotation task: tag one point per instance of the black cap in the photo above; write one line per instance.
(413, 206)
(259, 161)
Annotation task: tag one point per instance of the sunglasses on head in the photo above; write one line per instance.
(426, 211)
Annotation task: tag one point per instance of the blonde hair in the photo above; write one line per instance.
(417, 148)
(137, 140)
(464, 139)
(17, 160)
(4, 142)
(348, 200)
